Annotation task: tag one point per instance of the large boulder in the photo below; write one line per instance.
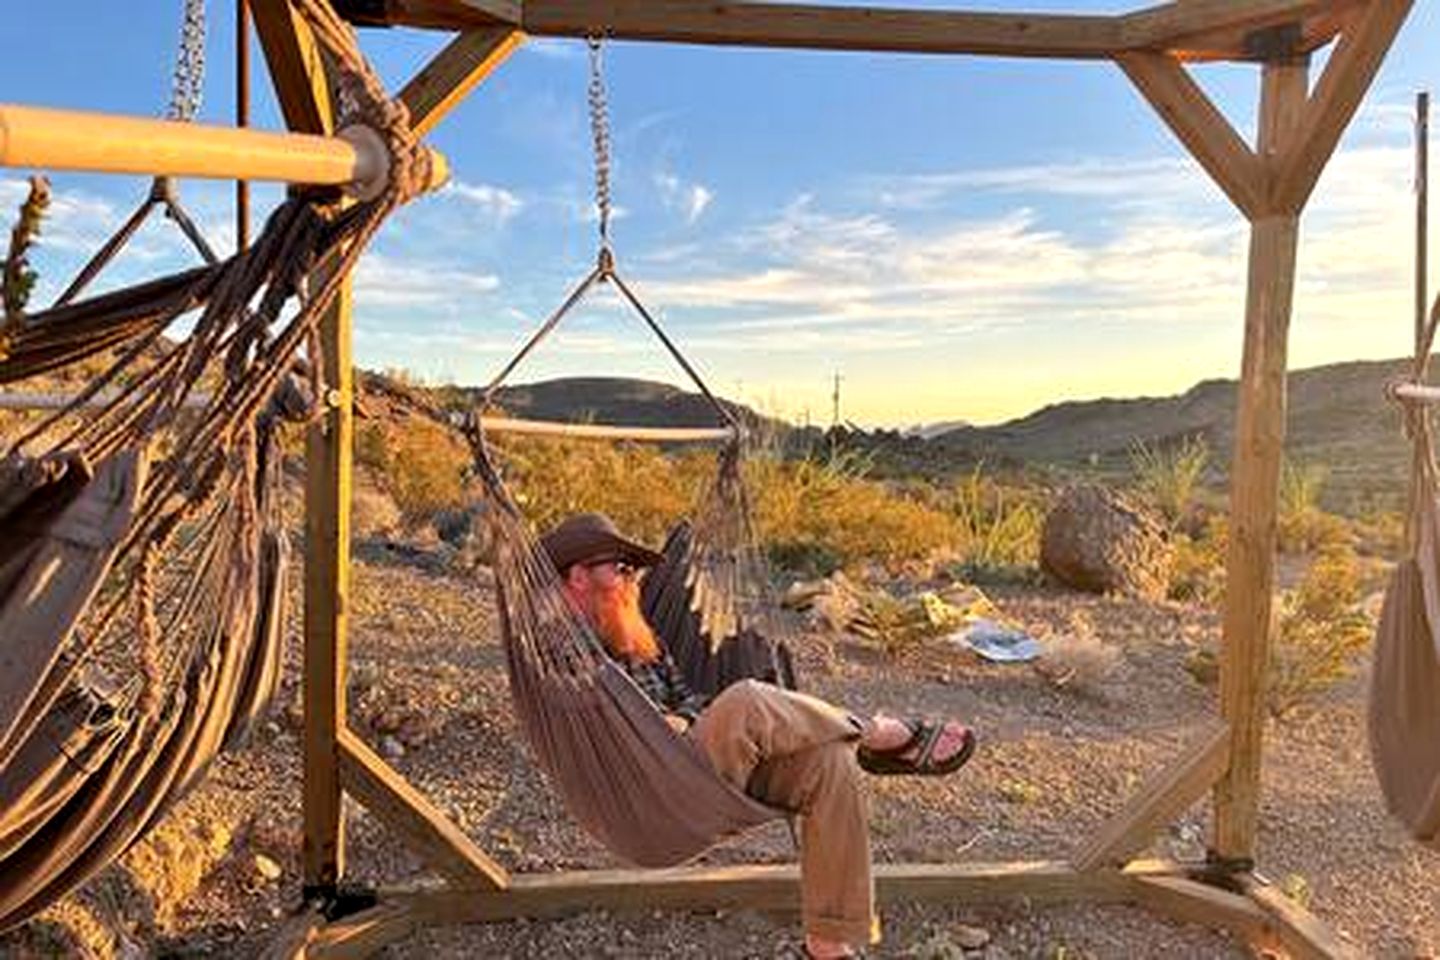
(1096, 540)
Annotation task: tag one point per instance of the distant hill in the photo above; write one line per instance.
(1337, 416)
(621, 400)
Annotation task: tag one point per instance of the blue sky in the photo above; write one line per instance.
(959, 238)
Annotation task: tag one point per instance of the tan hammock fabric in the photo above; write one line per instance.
(1405, 689)
(60, 575)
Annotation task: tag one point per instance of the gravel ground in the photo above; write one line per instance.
(428, 691)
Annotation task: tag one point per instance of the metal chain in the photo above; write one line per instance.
(600, 133)
(189, 79)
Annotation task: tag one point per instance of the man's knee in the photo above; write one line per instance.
(740, 700)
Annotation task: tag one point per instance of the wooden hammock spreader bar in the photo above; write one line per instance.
(109, 143)
(601, 431)
(58, 401)
(1417, 392)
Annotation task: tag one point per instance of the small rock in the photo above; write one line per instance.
(971, 938)
(266, 867)
(391, 748)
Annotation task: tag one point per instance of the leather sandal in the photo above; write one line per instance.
(925, 734)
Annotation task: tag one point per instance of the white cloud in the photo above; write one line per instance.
(385, 281)
(496, 203)
(689, 199)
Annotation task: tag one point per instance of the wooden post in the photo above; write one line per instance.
(1255, 475)
(303, 90)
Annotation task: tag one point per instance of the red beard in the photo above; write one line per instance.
(617, 619)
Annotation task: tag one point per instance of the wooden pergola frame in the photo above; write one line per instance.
(1269, 183)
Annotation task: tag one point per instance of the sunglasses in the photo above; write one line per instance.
(623, 568)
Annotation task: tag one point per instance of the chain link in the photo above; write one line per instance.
(600, 133)
(189, 79)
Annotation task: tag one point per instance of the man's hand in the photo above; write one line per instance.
(677, 723)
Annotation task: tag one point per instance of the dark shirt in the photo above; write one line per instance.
(662, 683)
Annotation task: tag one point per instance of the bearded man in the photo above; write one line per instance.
(786, 749)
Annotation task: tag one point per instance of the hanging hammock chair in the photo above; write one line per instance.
(648, 793)
(143, 558)
(1404, 711)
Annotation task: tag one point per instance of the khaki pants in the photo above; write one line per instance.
(798, 753)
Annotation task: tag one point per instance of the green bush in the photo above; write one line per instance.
(421, 465)
(1320, 629)
(998, 528)
(1301, 526)
(1168, 477)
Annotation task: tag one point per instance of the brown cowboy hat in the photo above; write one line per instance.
(593, 538)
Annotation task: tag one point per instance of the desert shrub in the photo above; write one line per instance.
(1319, 629)
(420, 464)
(1301, 526)
(826, 508)
(640, 487)
(1077, 659)
(1167, 477)
(1197, 571)
(998, 528)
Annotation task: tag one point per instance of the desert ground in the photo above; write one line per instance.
(428, 690)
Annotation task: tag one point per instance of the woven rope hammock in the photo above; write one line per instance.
(142, 567)
(1404, 712)
(642, 789)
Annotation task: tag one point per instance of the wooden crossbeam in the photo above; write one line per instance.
(1296, 931)
(1200, 29)
(772, 886)
(1163, 797)
(434, 14)
(1156, 885)
(362, 934)
(1220, 26)
(1190, 901)
(817, 26)
(455, 72)
(1348, 74)
(1194, 118)
(428, 832)
(295, 64)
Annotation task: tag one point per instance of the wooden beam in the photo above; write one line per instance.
(363, 934)
(302, 87)
(446, 80)
(1296, 931)
(392, 800)
(1337, 95)
(1190, 901)
(601, 431)
(296, 66)
(1255, 481)
(1165, 796)
(771, 886)
(811, 26)
(1201, 127)
(1168, 25)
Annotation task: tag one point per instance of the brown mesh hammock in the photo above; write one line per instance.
(1404, 711)
(142, 558)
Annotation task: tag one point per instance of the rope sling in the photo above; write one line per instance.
(1404, 705)
(140, 571)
